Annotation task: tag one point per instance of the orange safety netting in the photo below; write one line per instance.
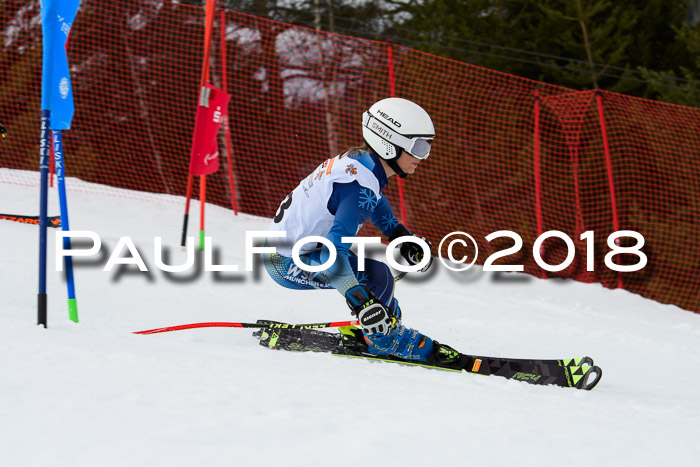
(510, 154)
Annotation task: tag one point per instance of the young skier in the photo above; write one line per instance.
(334, 201)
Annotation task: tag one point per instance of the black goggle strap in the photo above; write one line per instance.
(417, 147)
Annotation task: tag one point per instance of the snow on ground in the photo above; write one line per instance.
(94, 394)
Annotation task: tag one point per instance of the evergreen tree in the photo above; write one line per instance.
(686, 92)
(646, 49)
(621, 46)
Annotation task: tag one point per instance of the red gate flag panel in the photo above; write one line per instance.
(204, 158)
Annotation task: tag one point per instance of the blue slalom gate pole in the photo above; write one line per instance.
(63, 201)
(44, 145)
(57, 110)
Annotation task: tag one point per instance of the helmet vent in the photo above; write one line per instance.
(388, 147)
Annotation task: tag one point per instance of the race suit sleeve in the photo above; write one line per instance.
(383, 217)
(352, 204)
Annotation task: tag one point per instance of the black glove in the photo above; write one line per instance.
(412, 252)
(374, 317)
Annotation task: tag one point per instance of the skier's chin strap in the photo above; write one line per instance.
(392, 162)
(395, 167)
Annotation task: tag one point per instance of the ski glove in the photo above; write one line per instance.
(412, 252)
(375, 318)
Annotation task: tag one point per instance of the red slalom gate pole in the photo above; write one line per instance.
(208, 26)
(609, 170)
(538, 173)
(227, 128)
(202, 205)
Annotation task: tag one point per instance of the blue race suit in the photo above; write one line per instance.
(352, 204)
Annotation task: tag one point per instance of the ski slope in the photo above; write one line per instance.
(94, 394)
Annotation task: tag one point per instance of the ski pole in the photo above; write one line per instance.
(400, 276)
(272, 325)
(268, 324)
(53, 221)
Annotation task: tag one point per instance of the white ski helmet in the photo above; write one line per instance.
(393, 124)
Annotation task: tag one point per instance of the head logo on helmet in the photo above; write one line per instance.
(389, 118)
(394, 124)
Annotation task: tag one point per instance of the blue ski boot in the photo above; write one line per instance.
(384, 333)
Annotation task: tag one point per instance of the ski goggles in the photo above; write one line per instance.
(418, 146)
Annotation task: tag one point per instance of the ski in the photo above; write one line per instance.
(579, 373)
